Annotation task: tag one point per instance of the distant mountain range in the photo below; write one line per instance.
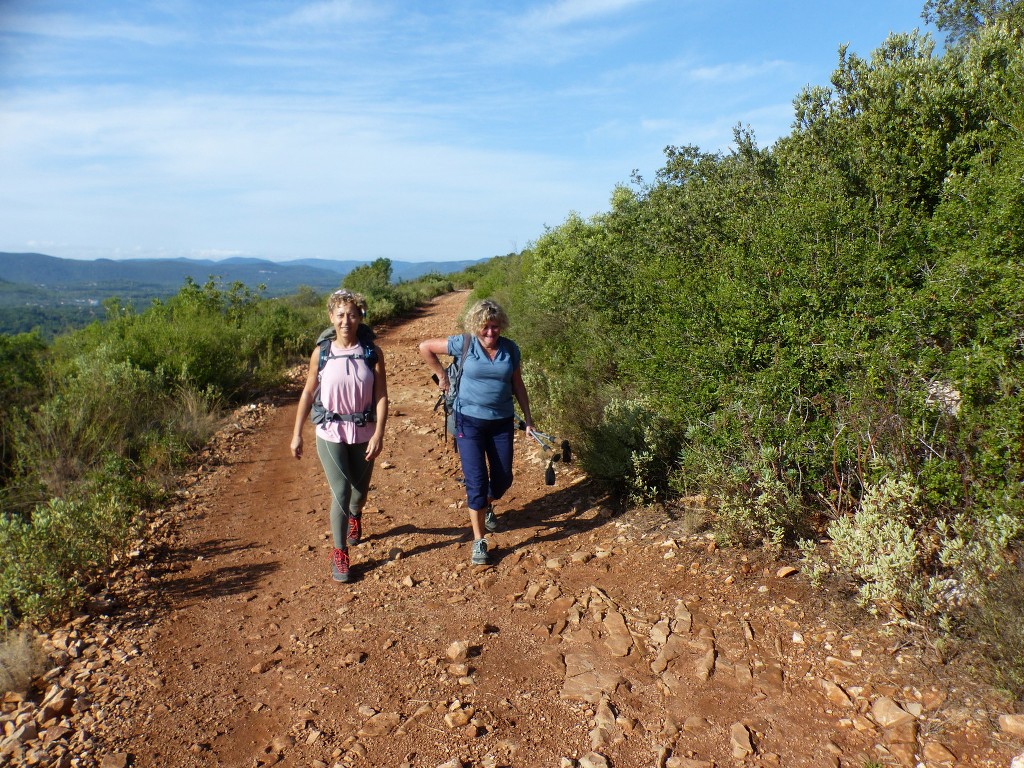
(107, 276)
(50, 293)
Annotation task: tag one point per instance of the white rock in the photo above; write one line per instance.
(1013, 724)
(739, 738)
(593, 760)
(659, 632)
(678, 761)
(888, 713)
(934, 752)
(836, 694)
(458, 651)
(459, 717)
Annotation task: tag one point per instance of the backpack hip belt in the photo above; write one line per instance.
(359, 419)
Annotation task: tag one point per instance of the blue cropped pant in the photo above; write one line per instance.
(485, 448)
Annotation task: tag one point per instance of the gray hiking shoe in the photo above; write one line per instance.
(490, 519)
(340, 570)
(480, 556)
(355, 530)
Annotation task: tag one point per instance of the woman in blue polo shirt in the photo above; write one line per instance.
(491, 384)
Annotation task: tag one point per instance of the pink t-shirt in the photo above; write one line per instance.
(346, 386)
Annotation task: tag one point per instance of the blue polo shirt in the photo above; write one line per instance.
(485, 390)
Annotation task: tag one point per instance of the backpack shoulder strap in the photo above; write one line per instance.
(325, 353)
(462, 360)
(369, 354)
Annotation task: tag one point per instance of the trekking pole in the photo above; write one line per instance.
(440, 398)
(540, 441)
(547, 442)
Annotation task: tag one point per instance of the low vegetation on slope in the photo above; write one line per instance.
(823, 337)
(94, 424)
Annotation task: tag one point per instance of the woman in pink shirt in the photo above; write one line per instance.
(347, 392)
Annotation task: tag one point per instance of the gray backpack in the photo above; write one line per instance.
(447, 399)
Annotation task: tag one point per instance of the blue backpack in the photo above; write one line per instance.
(318, 413)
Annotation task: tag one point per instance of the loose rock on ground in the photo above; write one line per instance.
(597, 638)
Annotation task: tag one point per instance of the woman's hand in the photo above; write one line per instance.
(429, 351)
(297, 446)
(374, 446)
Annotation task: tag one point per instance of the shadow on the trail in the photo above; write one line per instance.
(171, 558)
(562, 513)
(559, 515)
(448, 533)
(175, 581)
(228, 580)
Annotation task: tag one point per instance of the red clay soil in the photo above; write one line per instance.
(598, 637)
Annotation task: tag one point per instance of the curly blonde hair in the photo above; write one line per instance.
(483, 312)
(345, 296)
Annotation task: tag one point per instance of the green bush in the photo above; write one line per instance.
(98, 406)
(372, 280)
(795, 312)
(623, 448)
(880, 546)
(50, 557)
(95, 425)
(21, 379)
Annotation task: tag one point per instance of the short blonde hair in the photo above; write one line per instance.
(483, 312)
(345, 296)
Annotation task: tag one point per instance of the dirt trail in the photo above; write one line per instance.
(597, 638)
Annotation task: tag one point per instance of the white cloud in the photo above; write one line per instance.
(275, 177)
(363, 127)
(567, 12)
(734, 72)
(83, 28)
(331, 13)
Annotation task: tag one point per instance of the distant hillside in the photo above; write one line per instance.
(34, 284)
(400, 270)
(162, 276)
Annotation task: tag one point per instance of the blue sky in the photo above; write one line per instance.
(355, 129)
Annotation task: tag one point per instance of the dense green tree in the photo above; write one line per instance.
(373, 280)
(962, 19)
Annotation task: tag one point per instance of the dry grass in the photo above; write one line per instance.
(998, 624)
(21, 660)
